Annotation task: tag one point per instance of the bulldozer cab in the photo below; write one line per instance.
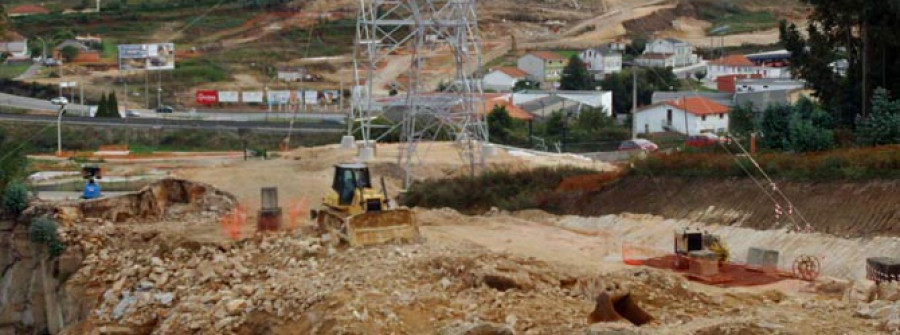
(347, 179)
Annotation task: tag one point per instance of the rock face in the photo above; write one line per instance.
(35, 295)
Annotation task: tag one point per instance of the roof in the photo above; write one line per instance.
(28, 9)
(777, 54)
(759, 101)
(12, 36)
(73, 43)
(512, 71)
(514, 111)
(547, 55)
(605, 50)
(770, 81)
(698, 106)
(656, 56)
(722, 98)
(733, 61)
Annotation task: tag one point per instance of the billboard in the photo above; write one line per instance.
(249, 97)
(229, 96)
(207, 97)
(279, 97)
(152, 57)
(310, 97)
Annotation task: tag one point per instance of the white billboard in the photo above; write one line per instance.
(331, 96)
(309, 97)
(156, 56)
(254, 96)
(229, 96)
(279, 97)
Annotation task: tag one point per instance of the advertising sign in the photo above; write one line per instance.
(331, 96)
(207, 97)
(279, 97)
(152, 57)
(255, 96)
(311, 97)
(229, 96)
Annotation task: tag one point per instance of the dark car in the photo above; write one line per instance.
(638, 144)
(704, 140)
(165, 109)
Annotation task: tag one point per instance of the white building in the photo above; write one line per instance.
(767, 84)
(602, 61)
(543, 103)
(740, 64)
(16, 45)
(683, 51)
(690, 116)
(656, 60)
(503, 79)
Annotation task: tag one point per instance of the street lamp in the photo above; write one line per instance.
(158, 97)
(62, 110)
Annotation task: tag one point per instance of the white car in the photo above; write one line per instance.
(59, 101)
(132, 113)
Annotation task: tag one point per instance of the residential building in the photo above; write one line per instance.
(496, 100)
(725, 99)
(543, 103)
(777, 63)
(683, 51)
(543, 66)
(85, 53)
(689, 115)
(503, 79)
(656, 60)
(602, 61)
(767, 84)
(16, 45)
(25, 10)
(728, 83)
(730, 65)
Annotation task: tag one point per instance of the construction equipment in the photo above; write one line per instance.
(692, 242)
(91, 188)
(358, 214)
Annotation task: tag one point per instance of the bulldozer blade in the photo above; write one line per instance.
(614, 307)
(389, 226)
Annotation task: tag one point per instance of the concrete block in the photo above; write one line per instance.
(269, 196)
(704, 267)
(347, 142)
(763, 258)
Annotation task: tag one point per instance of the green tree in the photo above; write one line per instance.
(883, 125)
(113, 109)
(700, 75)
(776, 126)
(594, 119)
(575, 76)
(526, 84)
(102, 107)
(649, 80)
(69, 53)
(556, 124)
(15, 198)
(805, 136)
(637, 46)
(500, 125)
(4, 21)
(741, 121)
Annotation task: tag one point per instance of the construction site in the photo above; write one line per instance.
(327, 239)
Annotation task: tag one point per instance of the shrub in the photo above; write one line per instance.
(15, 198)
(43, 231)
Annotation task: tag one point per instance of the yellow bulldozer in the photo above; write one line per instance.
(358, 214)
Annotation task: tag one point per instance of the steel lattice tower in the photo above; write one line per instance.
(423, 29)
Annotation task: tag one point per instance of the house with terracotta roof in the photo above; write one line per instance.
(25, 10)
(16, 46)
(503, 79)
(687, 115)
(743, 65)
(545, 67)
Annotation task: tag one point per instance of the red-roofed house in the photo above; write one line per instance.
(689, 115)
(25, 10)
(730, 65)
(515, 112)
(503, 79)
(543, 66)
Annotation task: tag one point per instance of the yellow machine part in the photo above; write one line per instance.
(352, 224)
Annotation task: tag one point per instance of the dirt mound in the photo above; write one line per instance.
(169, 197)
(857, 209)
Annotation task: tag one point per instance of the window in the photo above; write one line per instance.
(721, 116)
(703, 118)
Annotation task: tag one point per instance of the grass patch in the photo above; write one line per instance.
(501, 188)
(844, 164)
(729, 17)
(198, 71)
(10, 71)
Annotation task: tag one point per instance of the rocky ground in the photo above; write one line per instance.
(142, 281)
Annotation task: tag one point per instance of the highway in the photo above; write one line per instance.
(259, 127)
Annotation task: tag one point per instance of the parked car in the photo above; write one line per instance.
(704, 140)
(59, 101)
(165, 109)
(638, 144)
(132, 113)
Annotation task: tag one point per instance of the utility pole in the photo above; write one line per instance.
(634, 104)
(147, 88)
(60, 77)
(158, 90)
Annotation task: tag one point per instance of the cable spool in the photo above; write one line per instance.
(807, 268)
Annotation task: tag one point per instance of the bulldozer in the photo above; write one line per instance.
(359, 215)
